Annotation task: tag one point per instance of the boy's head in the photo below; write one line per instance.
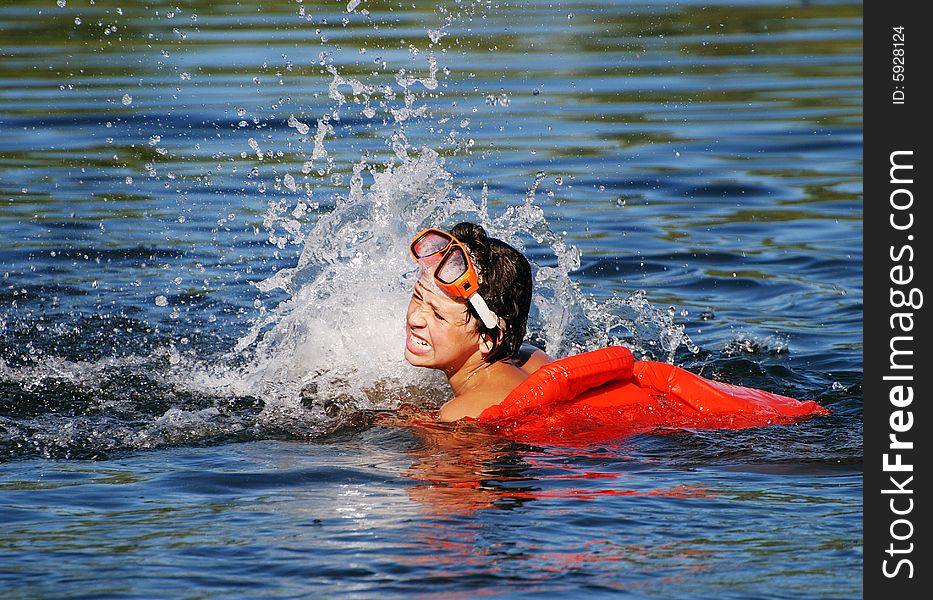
(504, 283)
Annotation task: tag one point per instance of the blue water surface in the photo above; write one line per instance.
(685, 177)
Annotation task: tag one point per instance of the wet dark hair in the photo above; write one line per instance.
(505, 284)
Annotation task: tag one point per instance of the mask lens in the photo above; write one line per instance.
(454, 266)
(428, 244)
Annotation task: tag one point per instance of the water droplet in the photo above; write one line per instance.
(61, 3)
(186, 76)
(127, 99)
(302, 128)
(77, 20)
(161, 301)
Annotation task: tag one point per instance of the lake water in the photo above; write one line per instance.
(204, 217)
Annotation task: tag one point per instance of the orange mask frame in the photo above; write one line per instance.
(454, 272)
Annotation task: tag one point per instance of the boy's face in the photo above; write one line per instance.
(438, 334)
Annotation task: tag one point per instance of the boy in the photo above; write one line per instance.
(467, 317)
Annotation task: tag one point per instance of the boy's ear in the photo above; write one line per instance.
(485, 344)
(485, 341)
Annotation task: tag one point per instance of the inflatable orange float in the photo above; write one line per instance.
(606, 393)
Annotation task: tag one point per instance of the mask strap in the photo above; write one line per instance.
(489, 318)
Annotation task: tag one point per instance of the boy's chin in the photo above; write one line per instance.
(415, 360)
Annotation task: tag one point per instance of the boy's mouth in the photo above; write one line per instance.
(417, 345)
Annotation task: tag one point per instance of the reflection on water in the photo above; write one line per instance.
(462, 467)
(359, 516)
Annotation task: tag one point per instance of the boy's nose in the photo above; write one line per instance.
(416, 317)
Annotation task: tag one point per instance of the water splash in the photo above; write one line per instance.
(335, 345)
(567, 321)
(330, 344)
(340, 331)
